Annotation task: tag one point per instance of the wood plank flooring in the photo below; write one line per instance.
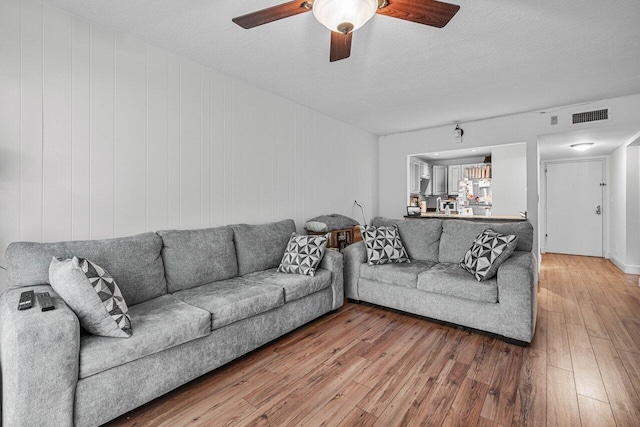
(367, 366)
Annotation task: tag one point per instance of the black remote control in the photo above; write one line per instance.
(26, 300)
(46, 303)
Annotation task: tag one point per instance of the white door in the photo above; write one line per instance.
(574, 207)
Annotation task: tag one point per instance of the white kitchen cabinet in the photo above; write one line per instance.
(414, 176)
(439, 180)
(454, 176)
(425, 170)
(417, 171)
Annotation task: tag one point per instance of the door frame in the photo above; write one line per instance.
(605, 200)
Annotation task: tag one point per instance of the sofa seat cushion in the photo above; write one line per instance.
(396, 274)
(160, 323)
(295, 286)
(451, 279)
(233, 299)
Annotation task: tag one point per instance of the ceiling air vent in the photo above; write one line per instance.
(590, 116)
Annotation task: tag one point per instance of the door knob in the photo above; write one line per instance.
(598, 210)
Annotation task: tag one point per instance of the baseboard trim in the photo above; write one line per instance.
(628, 269)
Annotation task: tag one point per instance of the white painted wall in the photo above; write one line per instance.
(618, 205)
(505, 130)
(509, 179)
(625, 207)
(525, 127)
(102, 135)
(633, 210)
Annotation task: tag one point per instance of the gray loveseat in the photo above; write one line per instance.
(197, 300)
(435, 286)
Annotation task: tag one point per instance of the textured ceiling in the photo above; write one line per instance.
(605, 140)
(495, 57)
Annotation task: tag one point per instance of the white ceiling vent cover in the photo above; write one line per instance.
(590, 116)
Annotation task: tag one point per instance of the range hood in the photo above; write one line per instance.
(424, 184)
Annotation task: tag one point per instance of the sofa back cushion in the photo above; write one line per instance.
(420, 237)
(134, 262)
(381, 221)
(261, 247)
(196, 257)
(458, 235)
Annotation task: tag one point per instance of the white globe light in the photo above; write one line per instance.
(583, 146)
(344, 16)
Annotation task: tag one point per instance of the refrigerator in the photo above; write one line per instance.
(475, 195)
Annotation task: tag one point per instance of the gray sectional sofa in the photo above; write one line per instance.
(435, 286)
(197, 300)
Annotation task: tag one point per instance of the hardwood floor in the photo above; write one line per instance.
(367, 366)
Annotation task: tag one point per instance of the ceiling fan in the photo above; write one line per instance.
(343, 17)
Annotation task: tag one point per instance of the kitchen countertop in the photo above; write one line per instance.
(470, 217)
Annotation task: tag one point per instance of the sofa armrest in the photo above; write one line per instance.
(354, 256)
(332, 261)
(518, 291)
(39, 356)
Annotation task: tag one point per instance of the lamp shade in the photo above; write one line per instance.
(344, 16)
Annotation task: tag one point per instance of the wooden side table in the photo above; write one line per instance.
(340, 238)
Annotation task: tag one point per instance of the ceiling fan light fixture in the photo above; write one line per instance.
(344, 16)
(583, 146)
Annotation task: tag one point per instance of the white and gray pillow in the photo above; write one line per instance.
(303, 254)
(93, 295)
(383, 244)
(488, 251)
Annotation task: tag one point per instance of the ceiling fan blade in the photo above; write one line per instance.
(271, 14)
(427, 12)
(340, 46)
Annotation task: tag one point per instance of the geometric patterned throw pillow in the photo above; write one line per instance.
(383, 245)
(489, 250)
(303, 254)
(93, 295)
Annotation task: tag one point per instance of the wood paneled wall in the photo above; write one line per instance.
(102, 135)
